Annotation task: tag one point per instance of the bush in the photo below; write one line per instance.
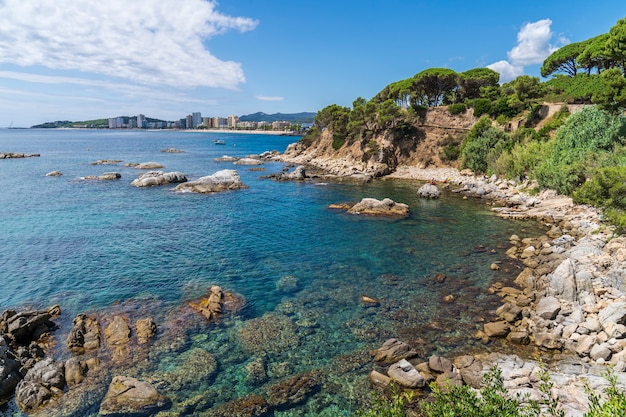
(458, 108)
(393, 407)
(483, 146)
(606, 189)
(482, 106)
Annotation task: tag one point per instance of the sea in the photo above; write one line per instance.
(301, 269)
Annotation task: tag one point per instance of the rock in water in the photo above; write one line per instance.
(154, 178)
(146, 329)
(428, 191)
(9, 370)
(385, 207)
(85, 334)
(43, 382)
(227, 179)
(130, 397)
(118, 332)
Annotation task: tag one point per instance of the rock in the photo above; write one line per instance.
(600, 352)
(226, 179)
(250, 406)
(171, 150)
(255, 371)
(154, 178)
(106, 162)
(43, 382)
(145, 329)
(293, 391)
(225, 158)
(131, 397)
(428, 191)
(118, 332)
(54, 174)
(74, 371)
(191, 368)
(107, 176)
(298, 174)
(385, 207)
(11, 155)
(392, 351)
(496, 329)
(9, 370)
(270, 333)
(613, 313)
(367, 301)
(28, 325)
(440, 364)
(406, 375)
(449, 379)
(287, 283)
(563, 281)
(548, 340)
(248, 161)
(548, 307)
(519, 338)
(85, 334)
(470, 369)
(210, 307)
(149, 165)
(379, 379)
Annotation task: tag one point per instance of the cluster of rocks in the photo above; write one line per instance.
(107, 162)
(107, 176)
(374, 207)
(10, 155)
(298, 174)
(226, 179)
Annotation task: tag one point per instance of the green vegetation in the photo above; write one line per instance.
(494, 400)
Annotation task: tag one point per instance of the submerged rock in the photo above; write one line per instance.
(226, 179)
(131, 397)
(295, 390)
(154, 178)
(250, 406)
(269, 333)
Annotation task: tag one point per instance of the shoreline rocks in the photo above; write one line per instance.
(373, 207)
(17, 155)
(156, 178)
(223, 180)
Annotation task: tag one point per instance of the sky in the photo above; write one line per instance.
(83, 59)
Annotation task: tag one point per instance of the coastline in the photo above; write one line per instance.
(235, 131)
(568, 304)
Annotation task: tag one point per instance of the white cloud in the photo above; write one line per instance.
(507, 70)
(533, 47)
(270, 98)
(143, 41)
(533, 44)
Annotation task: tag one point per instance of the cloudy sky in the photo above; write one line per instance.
(80, 59)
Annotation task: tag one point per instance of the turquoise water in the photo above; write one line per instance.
(98, 247)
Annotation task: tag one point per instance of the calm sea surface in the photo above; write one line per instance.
(103, 247)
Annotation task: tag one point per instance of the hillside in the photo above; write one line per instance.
(304, 117)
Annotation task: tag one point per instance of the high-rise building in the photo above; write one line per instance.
(189, 122)
(141, 121)
(232, 121)
(196, 119)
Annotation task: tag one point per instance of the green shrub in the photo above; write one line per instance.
(482, 106)
(480, 152)
(606, 189)
(393, 407)
(615, 403)
(338, 141)
(519, 161)
(458, 108)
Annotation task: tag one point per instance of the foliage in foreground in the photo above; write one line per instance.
(494, 400)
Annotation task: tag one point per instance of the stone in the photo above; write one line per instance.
(548, 340)
(392, 351)
(385, 207)
(406, 375)
(496, 329)
(149, 165)
(428, 191)
(439, 364)
(74, 371)
(250, 406)
(613, 313)
(449, 379)
(145, 329)
(600, 352)
(43, 382)
(28, 325)
(132, 397)
(223, 180)
(84, 335)
(54, 174)
(248, 161)
(107, 176)
(155, 178)
(563, 281)
(471, 370)
(548, 307)
(585, 343)
(518, 337)
(118, 332)
(9, 370)
(270, 333)
(379, 379)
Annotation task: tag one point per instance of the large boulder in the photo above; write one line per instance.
(107, 176)
(118, 332)
(392, 351)
(428, 191)
(548, 308)
(153, 178)
(385, 207)
(149, 165)
(43, 382)
(133, 398)
(28, 325)
(563, 281)
(223, 180)
(613, 313)
(9, 370)
(145, 329)
(406, 375)
(85, 334)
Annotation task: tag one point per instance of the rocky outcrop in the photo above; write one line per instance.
(172, 150)
(248, 161)
(106, 162)
(224, 180)
(145, 329)
(11, 155)
(226, 158)
(54, 174)
(9, 369)
(118, 332)
(394, 350)
(131, 397)
(42, 383)
(84, 335)
(154, 178)
(298, 174)
(385, 207)
(28, 325)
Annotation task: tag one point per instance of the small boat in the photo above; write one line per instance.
(219, 142)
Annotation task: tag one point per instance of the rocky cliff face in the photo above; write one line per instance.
(381, 154)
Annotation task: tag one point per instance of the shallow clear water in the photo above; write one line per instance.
(92, 246)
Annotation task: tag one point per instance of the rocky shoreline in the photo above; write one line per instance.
(569, 303)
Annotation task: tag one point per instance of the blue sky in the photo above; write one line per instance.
(80, 59)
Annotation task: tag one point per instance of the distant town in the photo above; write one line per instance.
(297, 122)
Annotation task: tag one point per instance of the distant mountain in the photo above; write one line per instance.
(305, 117)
